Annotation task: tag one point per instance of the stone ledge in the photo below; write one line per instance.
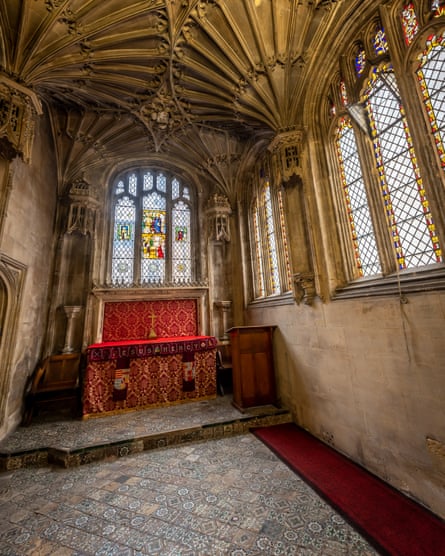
(74, 457)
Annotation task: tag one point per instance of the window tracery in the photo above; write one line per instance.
(152, 230)
(272, 266)
(407, 214)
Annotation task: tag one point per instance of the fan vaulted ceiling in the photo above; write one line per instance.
(126, 78)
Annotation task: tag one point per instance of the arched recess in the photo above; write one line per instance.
(12, 275)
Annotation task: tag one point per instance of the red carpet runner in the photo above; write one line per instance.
(393, 523)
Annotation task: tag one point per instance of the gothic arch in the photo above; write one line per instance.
(12, 275)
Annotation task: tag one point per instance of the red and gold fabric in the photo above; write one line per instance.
(127, 376)
(133, 320)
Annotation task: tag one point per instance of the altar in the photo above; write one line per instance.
(138, 374)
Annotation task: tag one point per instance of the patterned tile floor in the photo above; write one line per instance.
(229, 496)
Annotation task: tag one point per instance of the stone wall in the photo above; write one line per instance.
(28, 239)
(367, 377)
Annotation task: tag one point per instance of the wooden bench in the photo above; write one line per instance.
(54, 382)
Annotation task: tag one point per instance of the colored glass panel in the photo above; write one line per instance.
(359, 216)
(360, 61)
(431, 78)
(379, 41)
(283, 229)
(410, 24)
(153, 237)
(413, 232)
(123, 241)
(150, 236)
(182, 252)
(343, 93)
(438, 7)
(271, 246)
(259, 269)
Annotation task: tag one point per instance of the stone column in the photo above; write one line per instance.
(224, 307)
(72, 313)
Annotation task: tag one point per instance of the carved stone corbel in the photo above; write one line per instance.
(287, 149)
(304, 287)
(218, 213)
(83, 206)
(18, 109)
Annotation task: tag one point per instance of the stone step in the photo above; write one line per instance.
(74, 456)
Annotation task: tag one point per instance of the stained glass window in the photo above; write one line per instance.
(412, 229)
(379, 41)
(431, 78)
(359, 217)
(123, 239)
(360, 61)
(272, 265)
(182, 252)
(438, 7)
(271, 244)
(343, 93)
(410, 24)
(152, 234)
(288, 278)
(261, 291)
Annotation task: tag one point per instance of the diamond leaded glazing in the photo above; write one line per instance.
(431, 77)
(271, 241)
(362, 232)
(409, 217)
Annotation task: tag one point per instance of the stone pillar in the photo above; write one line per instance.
(72, 313)
(224, 308)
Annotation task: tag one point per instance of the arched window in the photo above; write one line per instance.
(272, 267)
(152, 229)
(359, 217)
(403, 210)
(431, 77)
(409, 218)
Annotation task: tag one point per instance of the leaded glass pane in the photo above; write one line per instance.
(410, 24)
(379, 42)
(285, 244)
(120, 187)
(182, 251)
(153, 236)
(271, 241)
(132, 184)
(361, 228)
(431, 77)
(343, 93)
(407, 208)
(161, 183)
(149, 232)
(148, 181)
(258, 251)
(438, 7)
(360, 61)
(123, 241)
(175, 189)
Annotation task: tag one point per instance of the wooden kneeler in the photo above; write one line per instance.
(55, 381)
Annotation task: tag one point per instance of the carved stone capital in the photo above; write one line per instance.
(304, 287)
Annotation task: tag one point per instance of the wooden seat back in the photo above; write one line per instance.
(57, 372)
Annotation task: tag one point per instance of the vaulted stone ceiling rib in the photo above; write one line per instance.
(169, 67)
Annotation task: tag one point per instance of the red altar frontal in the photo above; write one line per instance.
(138, 374)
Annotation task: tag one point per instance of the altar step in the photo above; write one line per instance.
(73, 443)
